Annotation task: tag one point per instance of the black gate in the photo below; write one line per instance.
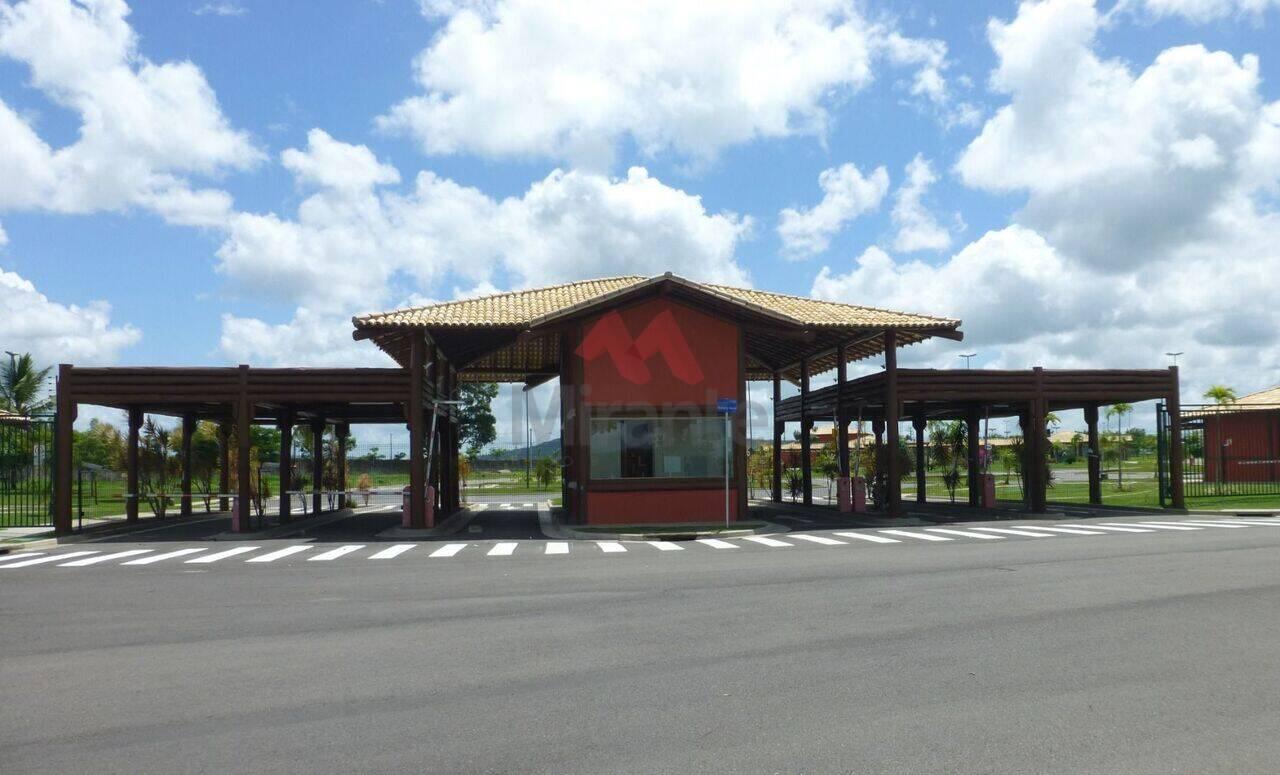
(26, 471)
(1227, 449)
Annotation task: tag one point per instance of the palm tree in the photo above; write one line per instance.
(22, 386)
(1119, 411)
(1221, 394)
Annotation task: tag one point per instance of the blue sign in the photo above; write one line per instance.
(727, 405)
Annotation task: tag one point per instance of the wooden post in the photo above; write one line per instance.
(1095, 454)
(417, 431)
(317, 465)
(341, 432)
(740, 440)
(63, 441)
(972, 435)
(188, 430)
(1174, 406)
(224, 465)
(778, 428)
(286, 465)
(920, 423)
(842, 420)
(133, 483)
(806, 428)
(244, 484)
(894, 485)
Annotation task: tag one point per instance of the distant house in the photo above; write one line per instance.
(1242, 438)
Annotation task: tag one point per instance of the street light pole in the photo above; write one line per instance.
(1174, 356)
(966, 357)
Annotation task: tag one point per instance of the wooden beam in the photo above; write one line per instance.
(1095, 454)
(188, 431)
(133, 482)
(920, 421)
(317, 465)
(894, 485)
(778, 428)
(806, 427)
(63, 442)
(286, 466)
(240, 520)
(972, 437)
(417, 433)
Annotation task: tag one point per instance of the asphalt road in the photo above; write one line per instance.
(1156, 652)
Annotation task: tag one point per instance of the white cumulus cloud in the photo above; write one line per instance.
(1201, 10)
(146, 130)
(570, 80)
(917, 228)
(58, 333)
(1120, 168)
(846, 194)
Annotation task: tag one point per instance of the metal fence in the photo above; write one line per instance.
(26, 471)
(1228, 450)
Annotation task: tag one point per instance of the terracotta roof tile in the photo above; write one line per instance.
(518, 308)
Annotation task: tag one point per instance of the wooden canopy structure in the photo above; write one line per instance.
(239, 397)
(922, 395)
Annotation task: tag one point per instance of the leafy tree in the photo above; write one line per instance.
(101, 445)
(23, 387)
(947, 442)
(1221, 394)
(760, 466)
(546, 469)
(365, 486)
(477, 427)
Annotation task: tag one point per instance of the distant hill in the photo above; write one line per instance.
(550, 448)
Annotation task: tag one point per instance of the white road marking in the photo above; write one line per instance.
(224, 555)
(448, 550)
(1015, 532)
(480, 507)
(104, 558)
(1259, 521)
(557, 547)
(1070, 530)
(165, 556)
(50, 558)
(1115, 528)
(921, 536)
(963, 533)
(716, 543)
(766, 541)
(870, 537)
(278, 554)
(334, 554)
(820, 540)
(20, 556)
(504, 549)
(1168, 526)
(392, 551)
(1212, 523)
(610, 546)
(527, 505)
(666, 546)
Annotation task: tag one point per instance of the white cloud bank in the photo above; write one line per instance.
(58, 333)
(1147, 227)
(570, 80)
(146, 129)
(917, 228)
(1202, 10)
(846, 194)
(354, 238)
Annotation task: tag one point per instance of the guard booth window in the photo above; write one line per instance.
(657, 448)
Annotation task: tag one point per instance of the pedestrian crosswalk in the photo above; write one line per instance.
(258, 555)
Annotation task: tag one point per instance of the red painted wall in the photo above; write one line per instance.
(656, 506)
(1254, 452)
(665, 356)
(677, 355)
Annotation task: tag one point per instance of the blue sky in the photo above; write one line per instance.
(1096, 183)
